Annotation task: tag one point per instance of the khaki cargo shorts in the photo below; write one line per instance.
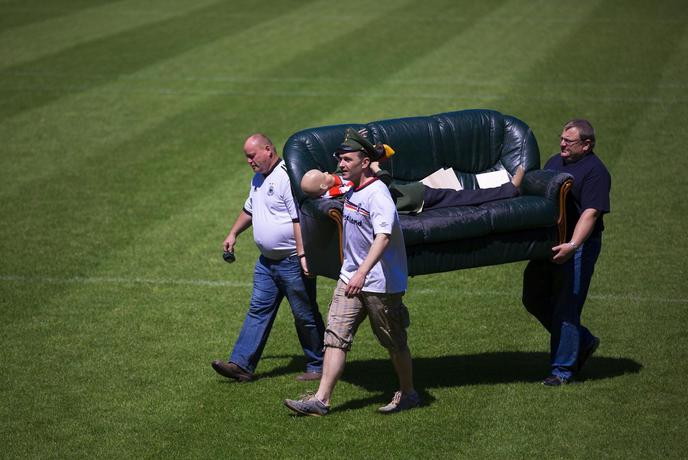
(389, 318)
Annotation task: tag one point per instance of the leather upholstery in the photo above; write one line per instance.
(470, 142)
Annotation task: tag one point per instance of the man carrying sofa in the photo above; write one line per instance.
(555, 291)
(372, 282)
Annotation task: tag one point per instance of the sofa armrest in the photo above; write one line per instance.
(553, 186)
(543, 182)
(321, 228)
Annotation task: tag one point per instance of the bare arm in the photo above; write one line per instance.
(583, 229)
(356, 282)
(380, 173)
(242, 222)
(299, 248)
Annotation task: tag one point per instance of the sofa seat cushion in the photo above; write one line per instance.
(504, 216)
(520, 213)
(445, 224)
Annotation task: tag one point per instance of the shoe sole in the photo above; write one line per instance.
(396, 411)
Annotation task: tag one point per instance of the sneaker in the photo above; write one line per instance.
(401, 401)
(307, 405)
(555, 381)
(307, 376)
(584, 355)
(232, 371)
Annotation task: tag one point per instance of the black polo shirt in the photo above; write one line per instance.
(592, 184)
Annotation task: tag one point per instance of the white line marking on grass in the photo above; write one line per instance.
(229, 283)
(120, 280)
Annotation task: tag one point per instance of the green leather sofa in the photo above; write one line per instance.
(469, 141)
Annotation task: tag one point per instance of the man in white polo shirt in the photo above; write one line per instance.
(280, 269)
(372, 282)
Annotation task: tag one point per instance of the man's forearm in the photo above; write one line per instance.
(584, 226)
(378, 247)
(298, 238)
(242, 222)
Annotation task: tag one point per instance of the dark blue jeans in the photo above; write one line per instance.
(272, 281)
(555, 295)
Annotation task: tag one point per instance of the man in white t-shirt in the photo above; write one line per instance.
(280, 270)
(372, 282)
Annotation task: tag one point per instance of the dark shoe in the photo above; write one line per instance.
(307, 405)
(307, 376)
(584, 355)
(555, 381)
(401, 401)
(232, 371)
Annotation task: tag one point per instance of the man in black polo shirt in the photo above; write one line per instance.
(555, 291)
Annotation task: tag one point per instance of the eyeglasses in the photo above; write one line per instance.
(570, 142)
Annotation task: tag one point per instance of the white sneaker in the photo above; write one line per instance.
(401, 401)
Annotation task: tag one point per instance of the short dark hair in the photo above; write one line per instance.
(585, 130)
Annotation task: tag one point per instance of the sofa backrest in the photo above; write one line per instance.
(469, 141)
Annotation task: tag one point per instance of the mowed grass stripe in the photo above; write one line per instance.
(489, 65)
(112, 110)
(64, 24)
(127, 51)
(651, 219)
(22, 13)
(606, 65)
(487, 62)
(224, 56)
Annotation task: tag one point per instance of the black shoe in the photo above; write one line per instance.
(555, 381)
(584, 355)
(232, 371)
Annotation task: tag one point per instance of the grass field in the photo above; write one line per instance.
(121, 170)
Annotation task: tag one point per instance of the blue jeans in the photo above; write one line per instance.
(272, 281)
(555, 295)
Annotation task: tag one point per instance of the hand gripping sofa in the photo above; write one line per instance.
(469, 141)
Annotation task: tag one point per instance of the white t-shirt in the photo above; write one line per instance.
(273, 213)
(369, 210)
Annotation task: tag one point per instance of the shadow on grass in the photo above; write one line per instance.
(377, 375)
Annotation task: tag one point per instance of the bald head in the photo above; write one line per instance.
(260, 153)
(258, 139)
(313, 183)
